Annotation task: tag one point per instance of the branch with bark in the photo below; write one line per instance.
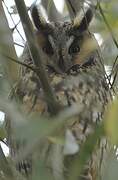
(53, 106)
(53, 13)
(74, 6)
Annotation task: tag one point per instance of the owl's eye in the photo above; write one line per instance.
(74, 49)
(48, 49)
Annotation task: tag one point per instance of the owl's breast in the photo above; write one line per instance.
(86, 88)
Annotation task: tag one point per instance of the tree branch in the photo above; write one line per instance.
(52, 12)
(74, 6)
(53, 106)
(7, 46)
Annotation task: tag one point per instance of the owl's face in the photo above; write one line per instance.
(63, 43)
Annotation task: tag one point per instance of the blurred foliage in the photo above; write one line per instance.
(111, 123)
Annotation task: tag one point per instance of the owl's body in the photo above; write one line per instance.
(77, 77)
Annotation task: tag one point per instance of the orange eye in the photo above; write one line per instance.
(74, 49)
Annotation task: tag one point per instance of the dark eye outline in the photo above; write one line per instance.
(48, 49)
(74, 49)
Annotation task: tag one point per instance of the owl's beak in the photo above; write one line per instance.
(64, 65)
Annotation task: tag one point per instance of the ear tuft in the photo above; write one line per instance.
(84, 23)
(39, 22)
(38, 19)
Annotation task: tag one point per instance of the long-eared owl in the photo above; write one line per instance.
(76, 74)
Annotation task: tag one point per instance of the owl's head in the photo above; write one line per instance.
(64, 44)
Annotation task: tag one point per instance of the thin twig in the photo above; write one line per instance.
(112, 35)
(106, 76)
(19, 62)
(113, 66)
(115, 76)
(4, 142)
(4, 165)
(107, 24)
(72, 7)
(14, 22)
(17, 44)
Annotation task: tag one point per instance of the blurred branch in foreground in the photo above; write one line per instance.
(7, 41)
(41, 73)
